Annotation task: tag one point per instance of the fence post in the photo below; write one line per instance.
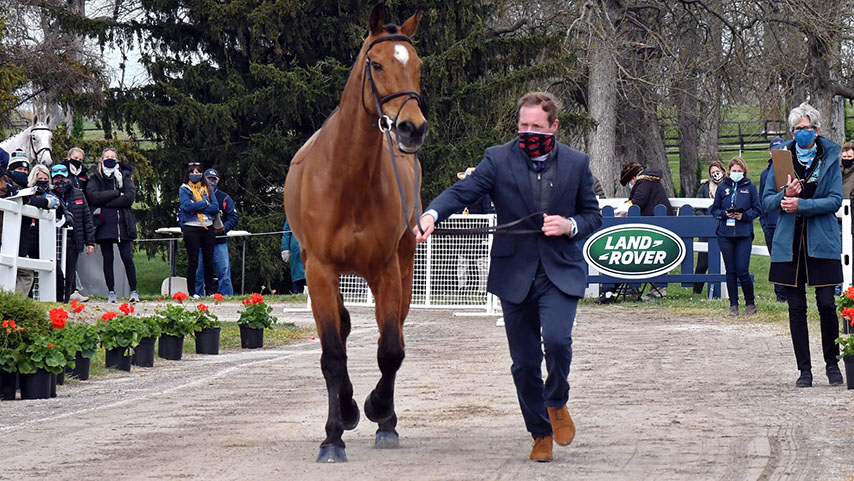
(11, 237)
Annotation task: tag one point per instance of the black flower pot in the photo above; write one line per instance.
(116, 359)
(81, 367)
(207, 341)
(8, 385)
(251, 338)
(36, 385)
(60, 378)
(849, 370)
(170, 347)
(52, 385)
(143, 355)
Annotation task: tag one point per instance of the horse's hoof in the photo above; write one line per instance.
(355, 416)
(331, 454)
(387, 440)
(373, 414)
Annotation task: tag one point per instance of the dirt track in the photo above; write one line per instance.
(652, 397)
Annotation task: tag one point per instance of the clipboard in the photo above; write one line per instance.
(781, 159)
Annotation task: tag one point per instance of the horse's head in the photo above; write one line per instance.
(392, 86)
(41, 143)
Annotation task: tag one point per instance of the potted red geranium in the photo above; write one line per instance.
(254, 318)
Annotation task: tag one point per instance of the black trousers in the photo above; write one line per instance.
(66, 286)
(196, 238)
(126, 253)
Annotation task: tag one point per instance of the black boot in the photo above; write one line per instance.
(805, 380)
(834, 376)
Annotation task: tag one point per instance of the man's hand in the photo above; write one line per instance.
(427, 225)
(793, 189)
(90, 250)
(789, 204)
(286, 256)
(554, 225)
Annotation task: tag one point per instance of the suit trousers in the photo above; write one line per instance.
(543, 321)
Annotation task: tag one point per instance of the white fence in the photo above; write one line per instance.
(450, 271)
(14, 211)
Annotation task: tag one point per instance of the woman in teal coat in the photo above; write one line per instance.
(291, 253)
(807, 246)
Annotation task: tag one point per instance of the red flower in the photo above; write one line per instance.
(126, 308)
(255, 298)
(58, 316)
(6, 324)
(217, 297)
(180, 297)
(202, 307)
(50, 346)
(850, 293)
(108, 316)
(74, 303)
(79, 308)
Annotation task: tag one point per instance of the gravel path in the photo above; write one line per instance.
(653, 396)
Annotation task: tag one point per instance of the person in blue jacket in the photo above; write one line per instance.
(736, 204)
(768, 220)
(807, 246)
(196, 216)
(291, 255)
(222, 264)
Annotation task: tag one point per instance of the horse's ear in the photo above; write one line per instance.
(377, 19)
(411, 24)
(35, 119)
(47, 121)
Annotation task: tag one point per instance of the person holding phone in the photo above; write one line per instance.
(736, 204)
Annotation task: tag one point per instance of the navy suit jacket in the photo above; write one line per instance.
(504, 175)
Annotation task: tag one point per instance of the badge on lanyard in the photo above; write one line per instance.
(730, 222)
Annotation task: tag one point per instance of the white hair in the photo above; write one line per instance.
(38, 168)
(804, 110)
(75, 149)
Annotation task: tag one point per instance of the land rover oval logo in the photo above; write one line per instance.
(634, 251)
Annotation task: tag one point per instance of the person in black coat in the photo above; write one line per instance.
(707, 190)
(78, 174)
(647, 191)
(38, 178)
(111, 193)
(77, 215)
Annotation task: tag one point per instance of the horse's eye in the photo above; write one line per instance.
(377, 67)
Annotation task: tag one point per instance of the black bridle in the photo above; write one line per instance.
(33, 147)
(386, 124)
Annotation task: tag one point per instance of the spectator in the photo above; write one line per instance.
(229, 218)
(4, 159)
(736, 204)
(78, 174)
(196, 216)
(707, 190)
(79, 218)
(768, 220)
(39, 178)
(291, 254)
(111, 193)
(847, 160)
(646, 189)
(807, 245)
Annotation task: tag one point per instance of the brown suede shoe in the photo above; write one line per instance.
(562, 426)
(542, 450)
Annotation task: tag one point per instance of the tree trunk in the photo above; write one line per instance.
(602, 95)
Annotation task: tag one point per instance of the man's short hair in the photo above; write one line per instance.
(545, 100)
(804, 110)
(847, 146)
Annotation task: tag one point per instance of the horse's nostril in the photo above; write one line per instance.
(409, 129)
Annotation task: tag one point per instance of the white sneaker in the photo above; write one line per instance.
(76, 295)
(134, 296)
(196, 297)
(111, 297)
(500, 322)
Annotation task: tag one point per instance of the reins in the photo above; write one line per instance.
(501, 229)
(33, 147)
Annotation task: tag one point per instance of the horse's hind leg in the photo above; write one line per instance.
(333, 360)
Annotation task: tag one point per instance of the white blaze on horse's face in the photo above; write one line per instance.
(401, 54)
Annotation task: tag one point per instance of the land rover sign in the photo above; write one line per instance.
(634, 251)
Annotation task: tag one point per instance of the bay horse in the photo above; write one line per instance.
(36, 141)
(350, 198)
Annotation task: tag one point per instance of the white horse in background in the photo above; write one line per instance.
(36, 141)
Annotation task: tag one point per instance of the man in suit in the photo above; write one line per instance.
(538, 277)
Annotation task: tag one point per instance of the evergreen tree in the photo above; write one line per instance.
(241, 85)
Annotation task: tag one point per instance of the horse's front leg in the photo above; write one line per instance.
(379, 406)
(333, 360)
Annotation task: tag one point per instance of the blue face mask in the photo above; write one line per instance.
(805, 137)
(109, 163)
(20, 178)
(195, 178)
(736, 176)
(213, 184)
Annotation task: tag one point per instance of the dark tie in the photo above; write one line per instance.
(539, 165)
